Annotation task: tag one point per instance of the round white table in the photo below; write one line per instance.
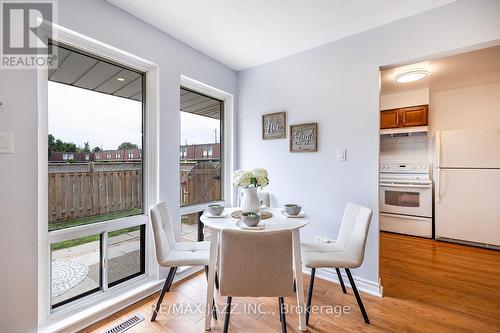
(277, 222)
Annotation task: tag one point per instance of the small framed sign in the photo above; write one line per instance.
(274, 126)
(304, 137)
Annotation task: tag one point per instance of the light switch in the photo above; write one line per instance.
(340, 154)
(6, 143)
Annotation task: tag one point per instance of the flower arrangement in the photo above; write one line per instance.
(255, 178)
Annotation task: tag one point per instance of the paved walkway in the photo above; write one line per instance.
(123, 256)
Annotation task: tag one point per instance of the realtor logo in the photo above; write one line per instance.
(26, 29)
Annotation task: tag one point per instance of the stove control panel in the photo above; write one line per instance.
(404, 168)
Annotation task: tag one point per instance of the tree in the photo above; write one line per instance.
(70, 147)
(127, 145)
(59, 145)
(96, 149)
(86, 147)
(52, 142)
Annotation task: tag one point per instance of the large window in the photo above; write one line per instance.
(201, 155)
(95, 175)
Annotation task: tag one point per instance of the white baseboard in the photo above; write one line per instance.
(363, 285)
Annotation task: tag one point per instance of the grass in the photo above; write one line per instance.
(89, 220)
(94, 219)
(88, 239)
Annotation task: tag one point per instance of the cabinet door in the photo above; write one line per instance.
(389, 119)
(415, 116)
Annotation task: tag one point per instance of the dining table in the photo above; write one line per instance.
(278, 221)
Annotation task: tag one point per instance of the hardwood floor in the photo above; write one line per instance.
(429, 286)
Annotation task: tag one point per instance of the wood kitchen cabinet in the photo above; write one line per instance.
(405, 117)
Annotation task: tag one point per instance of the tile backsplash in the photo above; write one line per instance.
(411, 148)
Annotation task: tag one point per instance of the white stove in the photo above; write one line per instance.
(406, 199)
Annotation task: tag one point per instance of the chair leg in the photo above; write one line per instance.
(310, 294)
(294, 286)
(341, 281)
(216, 277)
(358, 298)
(166, 288)
(228, 314)
(214, 310)
(282, 314)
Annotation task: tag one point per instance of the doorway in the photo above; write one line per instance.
(431, 112)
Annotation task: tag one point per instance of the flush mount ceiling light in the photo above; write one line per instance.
(411, 75)
(120, 79)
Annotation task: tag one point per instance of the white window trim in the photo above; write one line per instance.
(228, 149)
(150, 167)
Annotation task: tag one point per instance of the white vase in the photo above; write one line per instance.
(250, 200)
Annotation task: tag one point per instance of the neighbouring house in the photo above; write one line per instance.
(105, 155)
(119, 155)
(208, 151)
(58, 156)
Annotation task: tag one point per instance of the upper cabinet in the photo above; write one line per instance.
(389, 119)
(405, 117)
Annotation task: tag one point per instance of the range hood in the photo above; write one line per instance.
(404, 131)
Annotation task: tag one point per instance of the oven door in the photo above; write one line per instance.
(406, 199)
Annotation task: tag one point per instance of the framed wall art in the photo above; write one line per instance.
(304, 137)
(274, 126)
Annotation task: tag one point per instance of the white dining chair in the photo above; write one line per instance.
(346, 252)
(264, 198)
(170, 253)
(256, 264)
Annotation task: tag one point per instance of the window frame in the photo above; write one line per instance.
(228, 192)
(225, 100)
(70, 38)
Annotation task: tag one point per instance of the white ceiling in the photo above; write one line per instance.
(244, 33)
(458, 71)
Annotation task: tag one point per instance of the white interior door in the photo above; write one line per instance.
(468, 205)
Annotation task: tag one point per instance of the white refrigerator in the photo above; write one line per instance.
(467, 186)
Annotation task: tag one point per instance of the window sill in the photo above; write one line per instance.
(195, 208)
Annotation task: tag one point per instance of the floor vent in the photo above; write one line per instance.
(126, 324)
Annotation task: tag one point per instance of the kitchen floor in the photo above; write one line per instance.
(429, 286)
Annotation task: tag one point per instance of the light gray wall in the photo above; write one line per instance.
(337, 85)
(18, 174)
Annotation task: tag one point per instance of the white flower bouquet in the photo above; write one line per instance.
(254, 178)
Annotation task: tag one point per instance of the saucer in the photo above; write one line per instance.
(207, 214)
(299, 215)
(240, 224)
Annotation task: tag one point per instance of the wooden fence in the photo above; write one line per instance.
(203, 183)
(85, 189)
